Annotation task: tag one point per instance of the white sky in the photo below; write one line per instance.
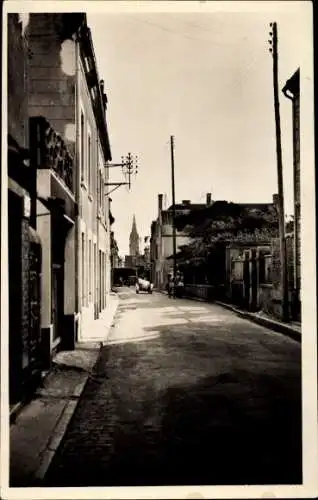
(206, 78)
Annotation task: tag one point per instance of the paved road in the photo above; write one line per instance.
(186, 393)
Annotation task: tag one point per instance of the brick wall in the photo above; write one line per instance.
(17, 81)
(52, 75)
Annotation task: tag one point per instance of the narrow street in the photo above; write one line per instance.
(185, 393)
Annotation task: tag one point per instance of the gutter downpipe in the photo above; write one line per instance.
(77, 180)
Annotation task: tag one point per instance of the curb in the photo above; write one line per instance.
(60, 430)
(267, 322)
(287, 330)
(65, 418)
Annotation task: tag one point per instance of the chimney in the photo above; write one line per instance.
(208, 199)
(276, 200)
(160, 198)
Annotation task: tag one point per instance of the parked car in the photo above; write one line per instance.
(143, 285)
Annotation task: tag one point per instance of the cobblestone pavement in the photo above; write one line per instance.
(186, 393)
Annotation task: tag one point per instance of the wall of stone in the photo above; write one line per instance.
(52, 74)
(17, 81)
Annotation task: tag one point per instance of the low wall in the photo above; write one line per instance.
(268, 301)
(204, 292)
(271, 303)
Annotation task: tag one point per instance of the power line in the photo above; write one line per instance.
(164, 28)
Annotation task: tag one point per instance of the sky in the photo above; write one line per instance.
(205, 78)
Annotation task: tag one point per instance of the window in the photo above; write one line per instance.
(94, 275)
(89, 163)
(83, 269)
(100, 280)
(265, 269)
(82, 132)
(100, 180)
(102, 201)
(90, 269)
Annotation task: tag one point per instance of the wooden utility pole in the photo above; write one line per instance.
(283, 252)
(173, 209)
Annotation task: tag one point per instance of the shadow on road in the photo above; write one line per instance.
(156, 417)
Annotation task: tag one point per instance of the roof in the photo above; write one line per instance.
(202, 218)
(292, 84)
(189, 206)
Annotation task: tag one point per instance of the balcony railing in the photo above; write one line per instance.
(48, 150)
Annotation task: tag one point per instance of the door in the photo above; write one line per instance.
(35, 308)
(15, 296)
(254, 281)
(246, 279)
(57, 300)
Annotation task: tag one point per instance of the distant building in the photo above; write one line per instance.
(161, 240)
(129, 262)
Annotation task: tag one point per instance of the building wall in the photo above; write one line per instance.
(94, 230)
(52, 69)
(17, 80)
(296, 118)
(88, 158)
(18, 224)
(167, 236)
(51, 86)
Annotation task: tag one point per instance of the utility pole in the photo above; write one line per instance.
(173, 210)
(283, 253)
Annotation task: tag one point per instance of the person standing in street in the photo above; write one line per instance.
(170, 286)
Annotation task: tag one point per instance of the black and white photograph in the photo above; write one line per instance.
(158, 250)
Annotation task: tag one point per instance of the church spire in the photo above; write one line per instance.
(134, 239)
(134, 225)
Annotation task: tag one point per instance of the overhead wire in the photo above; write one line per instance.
(238, 80)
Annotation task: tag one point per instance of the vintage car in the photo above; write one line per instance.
(143, 285)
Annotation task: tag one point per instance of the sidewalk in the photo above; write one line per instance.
(292, 329)
(41, 425)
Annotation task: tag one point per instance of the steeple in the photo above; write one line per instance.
(134, 239)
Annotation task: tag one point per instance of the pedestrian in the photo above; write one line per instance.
(170, 286)
(179, 286)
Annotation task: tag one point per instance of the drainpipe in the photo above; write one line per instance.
(77, 174)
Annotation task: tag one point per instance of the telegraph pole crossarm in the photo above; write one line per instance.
(129, 167)
(283, 253)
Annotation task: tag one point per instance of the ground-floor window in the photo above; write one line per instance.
(83, 269)
(100, 280)
(94, 276)
(90, 269)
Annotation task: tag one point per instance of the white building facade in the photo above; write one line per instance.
(94, 264)
(66, 99)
